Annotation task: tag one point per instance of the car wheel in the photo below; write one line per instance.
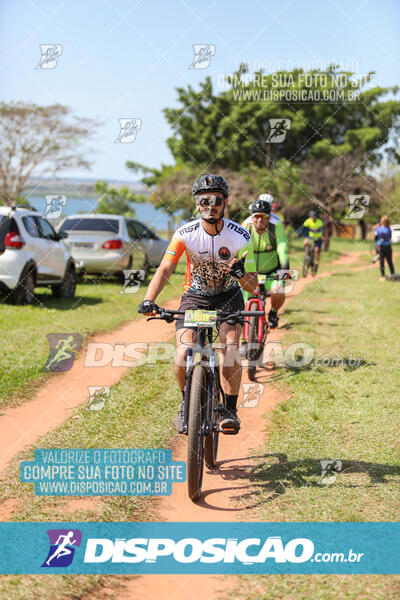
(24, 293)
(66, 289)
(121, 275)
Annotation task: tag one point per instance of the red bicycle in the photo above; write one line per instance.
(256, 328)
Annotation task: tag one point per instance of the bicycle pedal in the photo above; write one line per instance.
(229, 430)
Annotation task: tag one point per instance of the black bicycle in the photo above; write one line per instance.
(309, 259)
(204, 398)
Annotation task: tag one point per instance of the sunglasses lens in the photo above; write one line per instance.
(210, 201)
(260, 216)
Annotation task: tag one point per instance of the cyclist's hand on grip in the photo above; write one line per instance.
(237, 267)
(284, 275)
(148, 307)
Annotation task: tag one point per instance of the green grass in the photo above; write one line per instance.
(335, 412)
(318, 587)
(138, 414)
(95, 308)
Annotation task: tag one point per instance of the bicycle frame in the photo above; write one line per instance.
(262, 325)
(261, 321)
(207, 359)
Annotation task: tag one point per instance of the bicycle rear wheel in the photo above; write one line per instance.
(197, 417)
(252, 354)
(211, 440)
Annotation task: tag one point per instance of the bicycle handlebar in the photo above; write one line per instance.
(170, 315)
(280, 278)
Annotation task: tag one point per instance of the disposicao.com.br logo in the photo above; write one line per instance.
(247, 551)
(214, 548)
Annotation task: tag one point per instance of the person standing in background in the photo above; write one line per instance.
(374, 228)
(363, 228)
(383, 236)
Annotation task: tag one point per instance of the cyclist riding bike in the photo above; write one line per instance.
(315, 228)
(213, 280)
(268, 252)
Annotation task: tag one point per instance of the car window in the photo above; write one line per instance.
(46, 229)
(31, 226)
(141, 230)
(131, 230)
(85, 224)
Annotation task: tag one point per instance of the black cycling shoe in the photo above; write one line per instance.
(179, 422)
(229, 423)
(273, 319)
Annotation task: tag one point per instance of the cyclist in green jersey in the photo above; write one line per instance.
(268, 252)
(315, 227)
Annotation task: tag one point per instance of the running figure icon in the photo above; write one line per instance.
(63, 544)
(62, 549)
(63, 349)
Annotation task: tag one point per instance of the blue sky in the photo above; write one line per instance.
(124, 58)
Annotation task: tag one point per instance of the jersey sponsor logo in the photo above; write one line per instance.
(189, 228)
(240, 230)
(224, 253)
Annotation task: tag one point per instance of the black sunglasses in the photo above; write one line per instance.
(206, 201)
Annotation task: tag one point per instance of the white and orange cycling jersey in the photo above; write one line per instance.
(207, 255)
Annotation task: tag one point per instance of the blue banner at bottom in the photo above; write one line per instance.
(214, 548)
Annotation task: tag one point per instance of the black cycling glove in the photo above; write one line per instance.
(147, 306)
(237, 269)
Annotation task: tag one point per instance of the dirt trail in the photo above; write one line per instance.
(229, 482)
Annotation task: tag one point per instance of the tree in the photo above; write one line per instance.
(38, 140)
(331, 182)
(230, 128)
(389, 195)
(116, 201)
(172, 188)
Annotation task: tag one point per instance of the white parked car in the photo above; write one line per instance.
(101, 244)
(395, 233)
(153, 245)
(32, 254)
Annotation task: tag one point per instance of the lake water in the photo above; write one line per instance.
(146, 213)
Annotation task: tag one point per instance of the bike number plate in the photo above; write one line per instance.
(200, 318)
(262, 278)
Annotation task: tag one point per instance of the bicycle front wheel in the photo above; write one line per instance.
(196, 421)
(211, 440)
(252, 354)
